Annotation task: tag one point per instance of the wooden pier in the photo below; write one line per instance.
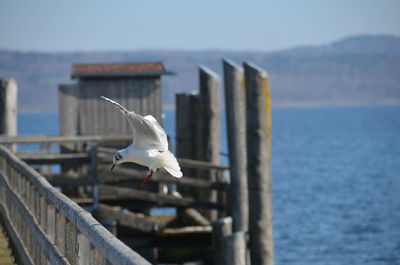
(60, 204)
(118, 205)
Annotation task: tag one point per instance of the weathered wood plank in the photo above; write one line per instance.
(71, 239)
(127, 218)
(119, 174)
(184, 162)
(98, 259)
(108, 192)
(60, 232)
(51, 222)
(58, 180)
(191, 217)
(68, 109)
(83, 110)
(54, 158)
(37, 139)
(83, 250)
(201, 164)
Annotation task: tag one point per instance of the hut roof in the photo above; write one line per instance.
(118, 70)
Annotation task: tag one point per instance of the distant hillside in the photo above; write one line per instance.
(363, 69)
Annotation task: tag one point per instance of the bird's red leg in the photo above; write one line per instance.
(141, 186)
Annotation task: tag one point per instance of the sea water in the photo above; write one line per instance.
(335, 177)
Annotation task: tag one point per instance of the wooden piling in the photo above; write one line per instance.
(221, 229)
(68, 123)
(184, 129)
(234, 248)
(258, 116)
(209, 136)
(229, 248)
(235, 104)
(8, 107)
(198, 132)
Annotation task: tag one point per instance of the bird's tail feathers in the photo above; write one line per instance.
(171, 164)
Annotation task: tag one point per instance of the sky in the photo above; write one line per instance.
(124, 25)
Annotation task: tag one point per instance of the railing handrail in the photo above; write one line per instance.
(108, 245)
(37, 139)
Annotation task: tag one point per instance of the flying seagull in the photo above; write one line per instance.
(149, 147)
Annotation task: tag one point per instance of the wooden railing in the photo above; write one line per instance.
(46, 227)
(96, 153)
(111, 197)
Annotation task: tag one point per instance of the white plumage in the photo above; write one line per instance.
(149, 147)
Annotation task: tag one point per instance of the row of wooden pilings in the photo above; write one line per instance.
(245, 236)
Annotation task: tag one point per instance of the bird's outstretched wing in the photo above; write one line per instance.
(147, 133)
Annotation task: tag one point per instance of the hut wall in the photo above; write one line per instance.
(97, 117)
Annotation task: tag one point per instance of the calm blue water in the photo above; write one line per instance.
(336, 182)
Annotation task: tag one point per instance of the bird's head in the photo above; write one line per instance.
(117, 159)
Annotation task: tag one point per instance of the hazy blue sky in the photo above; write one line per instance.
(51, 25)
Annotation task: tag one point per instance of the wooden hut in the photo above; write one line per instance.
(137, 86)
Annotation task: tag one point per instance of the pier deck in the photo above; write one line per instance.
(6, 256)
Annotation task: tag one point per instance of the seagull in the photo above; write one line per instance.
(149, 147)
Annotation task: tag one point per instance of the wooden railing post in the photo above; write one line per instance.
(71, 243)
(60, 232)
(258, 120)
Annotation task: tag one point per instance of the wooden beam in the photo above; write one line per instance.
(35, 139)
(54, 158)
(108, 192)
(123, 174)
(127, 218)
(67, 180)
(183, 162)
(198, 164)
(191, 217)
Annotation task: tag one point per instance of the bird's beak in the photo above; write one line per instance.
(112, 167)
